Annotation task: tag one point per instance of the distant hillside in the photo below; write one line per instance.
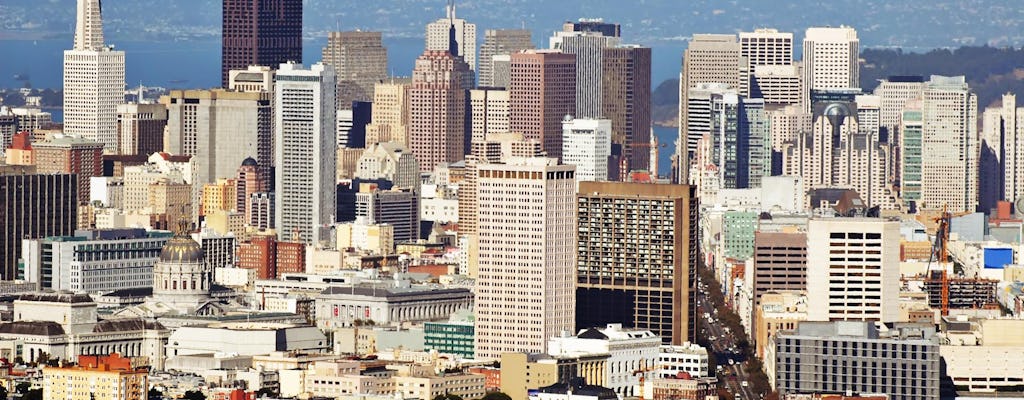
(990, 72)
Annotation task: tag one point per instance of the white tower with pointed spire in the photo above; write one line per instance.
(93, 80)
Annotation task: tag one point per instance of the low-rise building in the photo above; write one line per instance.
(340, 306)
(629, 351)
(689, 358)
(839, 356)
(93, 261)
(779, 311)
(260, 338)
(101, 378)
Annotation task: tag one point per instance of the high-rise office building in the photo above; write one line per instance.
(304, 135)
(778, 85)
(643, 272)
(437, 109)
(626, 88)
(594, 25)
(853, 269)
(488, 114)
(830, 59)
(1004, 125)
(33, 205)
(780, 262)
(93, 81)
(390, 112)
(70, 155)
(737, 132)
(527, 253)
(587, 144)
(588, 48)
(708, 59)
(219, 129)
(360, 60)
(454, 35)
(260, 32)
(249, 182)
(541, 93)
(500, 42)
(856, 357)
(911, 130)
(895, 92)
(140, 128)
(949, 145)
(763, 47)
(399, 208)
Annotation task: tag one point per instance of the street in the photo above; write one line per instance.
(724, 347)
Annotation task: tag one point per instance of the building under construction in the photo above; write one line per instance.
(962, 293)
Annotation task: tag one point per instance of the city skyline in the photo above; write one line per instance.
(490, 228)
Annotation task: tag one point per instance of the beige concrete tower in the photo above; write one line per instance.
(708, 59)
(949, 145)
(830, 59)
(526, 284)
(440, 36)
(390, 113)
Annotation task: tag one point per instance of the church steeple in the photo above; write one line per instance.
(89, 25)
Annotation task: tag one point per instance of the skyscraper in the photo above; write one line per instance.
(588, 47)
(260, 32)
(390, 113)
(70, 155)
(304, 135)
(219, 129)
(500, 42)
(707, 59)
(93, 80)
(626, 88)
(527, 255)
(437, 109)
(763, 47)
(587, 144)
(641, 272)
(541, 93)
(140, 128)
(454, 35)
(33, 206)
(911, 126)
(360, 60)
(830, 59)
(1004, 125)
(488, 114)
(737, 131)
(949, 145)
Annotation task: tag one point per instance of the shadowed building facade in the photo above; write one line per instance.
(637, 257)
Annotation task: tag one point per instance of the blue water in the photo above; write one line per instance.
(196, 64)
(666, 137)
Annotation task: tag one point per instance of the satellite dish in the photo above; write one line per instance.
(1018, 207)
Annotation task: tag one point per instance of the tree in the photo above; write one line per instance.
(497, 396)
(33, 394)
(155, 394)
(22, 388)
(447, 396)
(265, 392)
(3, 393)
(194, 395)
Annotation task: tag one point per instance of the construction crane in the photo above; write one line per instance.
(940, 252)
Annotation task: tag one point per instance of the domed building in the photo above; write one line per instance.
(180, 278)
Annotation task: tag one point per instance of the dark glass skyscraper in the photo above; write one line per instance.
(260, 32)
